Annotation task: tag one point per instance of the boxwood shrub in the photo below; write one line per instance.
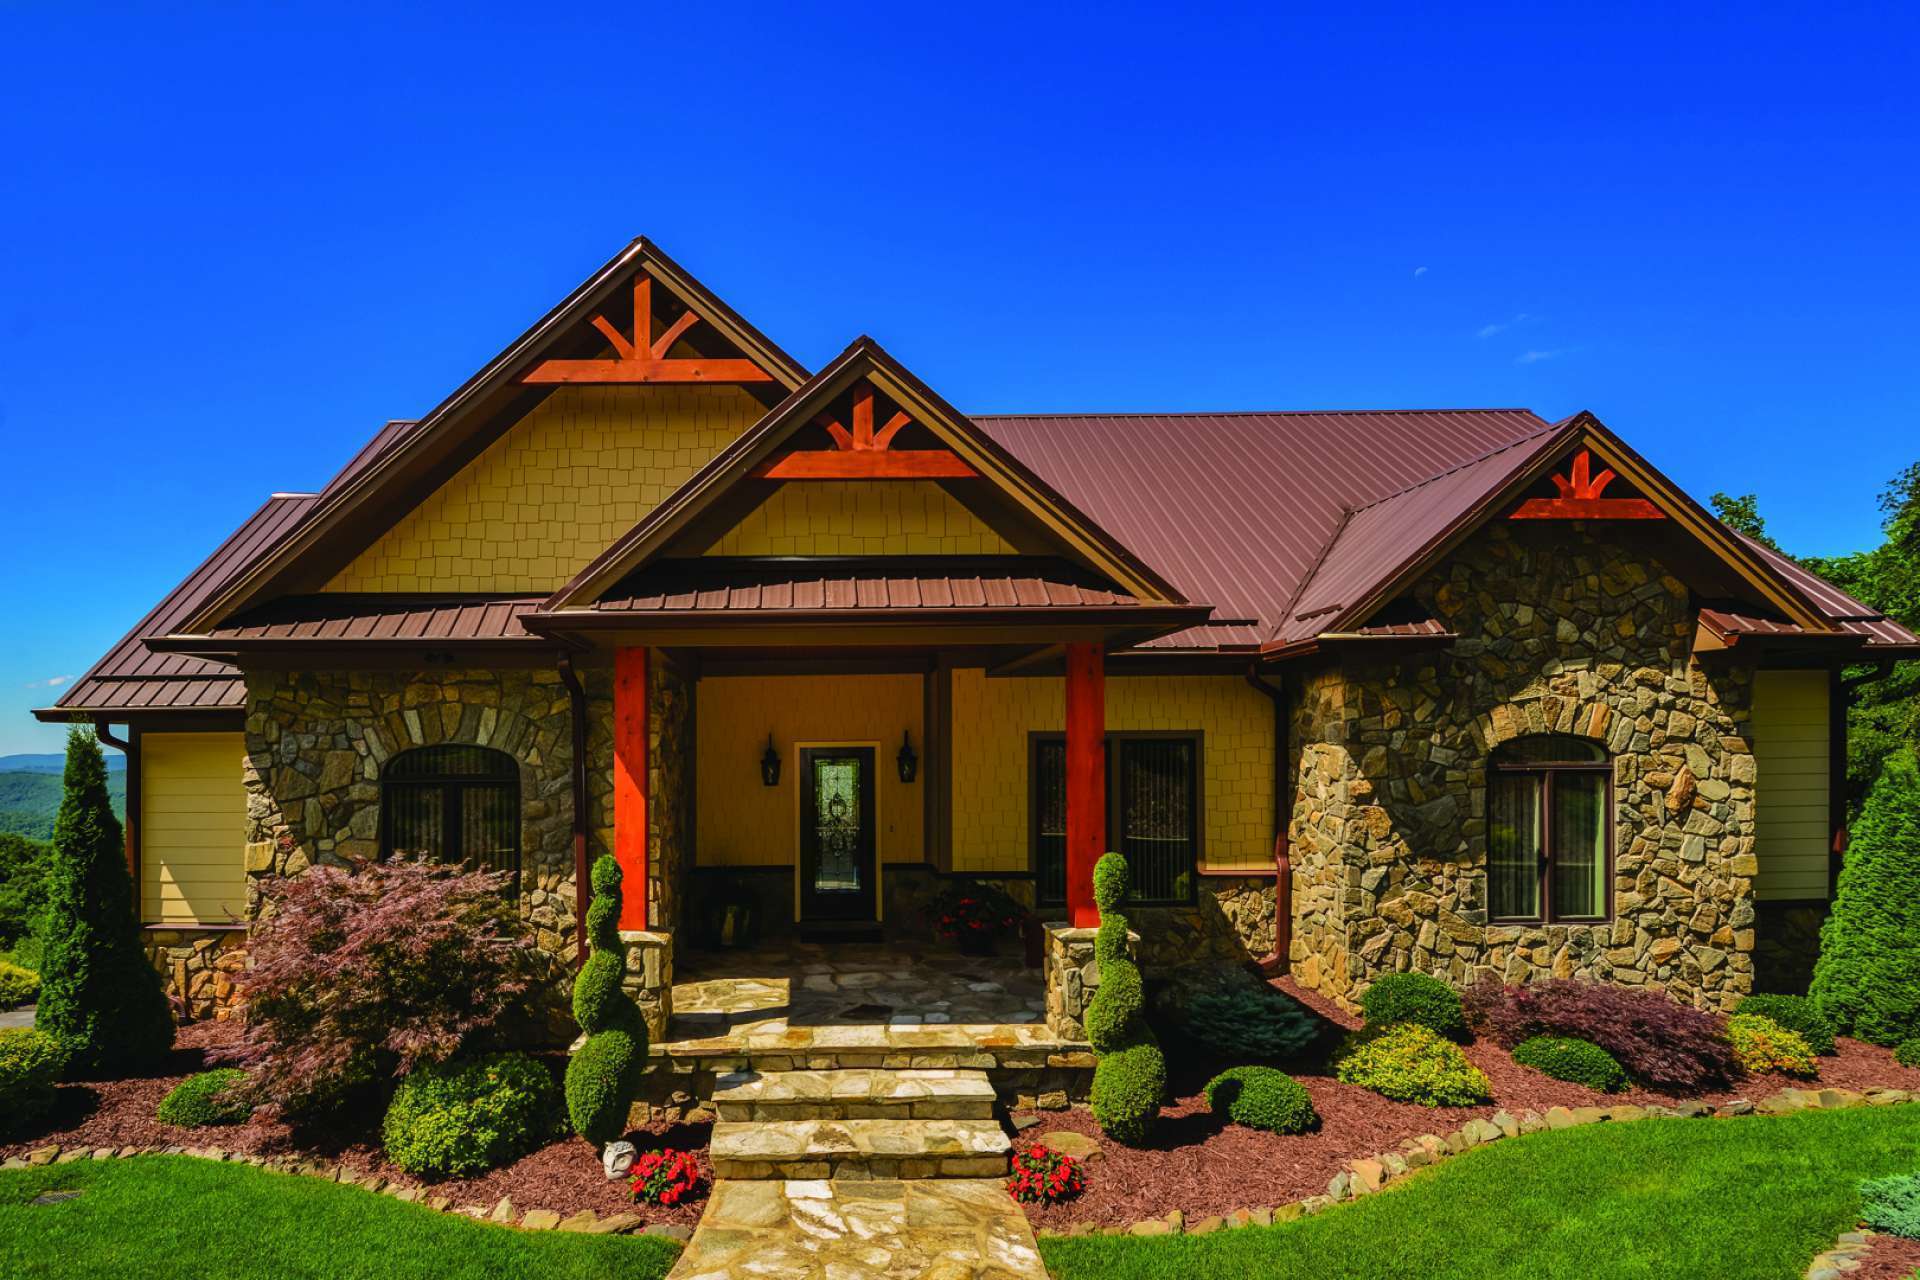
(1908, 1053)
(1795, 1013)
(1411, 1063)
(1577, 1061)
(212, 1097)
(462, 1118)
(1262, 1098)
(1418, 998)
(30, 1064)
(1130, 1072)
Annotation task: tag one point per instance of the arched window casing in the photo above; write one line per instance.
(454, 803)
(1549, 830)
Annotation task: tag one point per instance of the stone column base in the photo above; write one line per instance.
(199, 968)
(649, 977)
(1073, 975)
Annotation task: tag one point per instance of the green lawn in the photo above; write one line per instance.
(160, 1217)
(1747, 1199)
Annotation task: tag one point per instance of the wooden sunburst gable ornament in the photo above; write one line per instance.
(863, 453)
(643, 358)
(1580, 498)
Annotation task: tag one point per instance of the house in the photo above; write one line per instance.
(1461, 691)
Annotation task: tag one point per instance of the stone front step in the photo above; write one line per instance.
(859, 1149)
(854, 1095)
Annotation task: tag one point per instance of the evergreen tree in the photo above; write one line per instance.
(1867, 980)
(99, 995)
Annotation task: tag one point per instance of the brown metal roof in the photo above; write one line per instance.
(1836, 605)
(342, 616)
(793, 586)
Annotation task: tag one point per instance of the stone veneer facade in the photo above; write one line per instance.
(1560, 632)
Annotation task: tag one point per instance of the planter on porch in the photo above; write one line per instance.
(649, 977)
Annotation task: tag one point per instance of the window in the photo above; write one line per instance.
(1549, 833)
(1153, 813)
(454, 803)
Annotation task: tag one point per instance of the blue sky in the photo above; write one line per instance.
(237, 241)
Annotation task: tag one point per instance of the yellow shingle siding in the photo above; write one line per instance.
(847, 517)
(1791, 742)
(993, 718)
(192, 828)
(745, 823)
(553, 491)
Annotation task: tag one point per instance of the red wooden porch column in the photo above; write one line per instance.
(630, 783)
(1086, 778)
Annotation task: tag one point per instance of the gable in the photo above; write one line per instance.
(861, 518)
(546, 497)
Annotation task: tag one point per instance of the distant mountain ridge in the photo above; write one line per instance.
(30, 799)
(52, 762)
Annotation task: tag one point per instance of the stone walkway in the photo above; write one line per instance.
(936, 1229)
(16, 1018)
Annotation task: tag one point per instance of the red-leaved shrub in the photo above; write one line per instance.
(361, 973)
(1661, 1044)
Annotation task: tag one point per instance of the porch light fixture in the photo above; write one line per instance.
(770, 765)
(909, 762)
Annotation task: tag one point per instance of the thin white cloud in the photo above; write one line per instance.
(51, 682)
(1535, 357)
(1418, 272)
(1488, 330)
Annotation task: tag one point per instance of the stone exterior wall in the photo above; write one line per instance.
(1231, 922)
(199, 969)
(1560, 632)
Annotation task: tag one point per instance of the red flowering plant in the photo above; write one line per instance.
(665, 1177)
(1041, 1176)
(973, 915)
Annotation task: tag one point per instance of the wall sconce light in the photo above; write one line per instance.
(770, 765)
(909, 762)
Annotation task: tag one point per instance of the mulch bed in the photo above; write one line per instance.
(564, 1176)
(1204, 1167)
(1891, 1258)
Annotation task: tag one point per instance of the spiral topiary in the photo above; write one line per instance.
(603, 1076)
(1130, 1077)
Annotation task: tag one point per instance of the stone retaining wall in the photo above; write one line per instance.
(199, 969)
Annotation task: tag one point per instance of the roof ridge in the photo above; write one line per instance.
(1249, 413)
(1476, 460)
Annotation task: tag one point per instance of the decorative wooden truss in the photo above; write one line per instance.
(643, 358)
(865, 454)
(1580, 498)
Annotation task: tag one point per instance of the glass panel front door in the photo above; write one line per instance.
(837, 834)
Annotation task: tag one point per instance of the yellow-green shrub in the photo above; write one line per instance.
(1412, 1063)
(1761, 1044)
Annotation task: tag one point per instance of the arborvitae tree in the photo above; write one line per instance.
(1130, 1077)
(99, 995)
(1867, 980)
(603, 1076)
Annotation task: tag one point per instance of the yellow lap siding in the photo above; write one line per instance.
(192, 828)
(1790, 746)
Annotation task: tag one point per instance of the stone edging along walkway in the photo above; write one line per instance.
(1365, 1176)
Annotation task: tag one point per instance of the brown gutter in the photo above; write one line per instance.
(582, 883)
(1276, 964)
(129, 747)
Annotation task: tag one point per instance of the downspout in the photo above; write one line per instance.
(1276, 963)
(582, 881)
(104, 733)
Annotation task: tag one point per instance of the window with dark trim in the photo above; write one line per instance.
(454, 803)
(1153, 813)
(1549, 830)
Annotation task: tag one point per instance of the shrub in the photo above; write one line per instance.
(1867, 978)
(603, 1076)
(1907, 1054)
(1659, 1043)
(1262, 1098)
(1041, 1176)
(1892, 1204)
(458, 1118)
(1579, 1061)
(974, 914)
(1411, 1063)
(1231, 1014)
(664, 1177)
(1418, 998)
(23, 886)
(30, 1064)
(213, 1097)
(17, 986)
(363, 973)
(1130, 1076)
(1761, 1044)
(98, 995)
(1795, 1013)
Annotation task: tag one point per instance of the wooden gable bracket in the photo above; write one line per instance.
(1580, 498)
(865, 454)
(640, 360)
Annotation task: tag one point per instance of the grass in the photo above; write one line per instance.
(162, 1217)
(1747, 1199)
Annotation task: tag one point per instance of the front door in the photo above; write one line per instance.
(836, 834)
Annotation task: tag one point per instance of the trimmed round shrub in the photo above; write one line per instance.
(460, 1118)
(1867, 978)
(1262, 1098)
(1577, 1061)
(1908, 1053)
(603, 1077)
(17, 986)
(30, 1064)
(1418, 998)
(1128, 1085)
(212, 1097)
(1411, 1063)
(1761, 1044)
(1795, 1013)
(1130, 1076)
(1892, 1204)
